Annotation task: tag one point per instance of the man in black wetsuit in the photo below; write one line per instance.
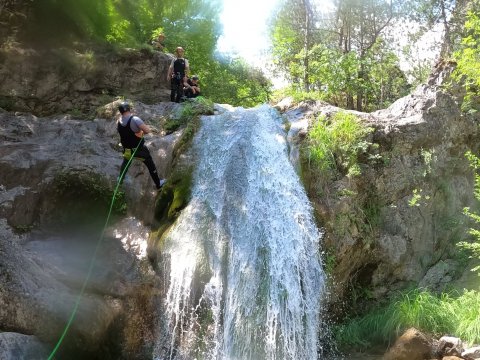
(177, 75)
(131, 129)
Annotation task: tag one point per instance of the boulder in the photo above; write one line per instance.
(412, 345)
(14, 346)
(471, 353)
(450, 346)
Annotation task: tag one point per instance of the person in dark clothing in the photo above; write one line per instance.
(131, 129)
(177, 75)
(192, 89)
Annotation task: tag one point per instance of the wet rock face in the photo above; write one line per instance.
(53, 81)
(35, 151)
(50, 167)
(17, 346)
(41, 279)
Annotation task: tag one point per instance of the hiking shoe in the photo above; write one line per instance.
(160, 185)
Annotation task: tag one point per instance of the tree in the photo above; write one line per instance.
(468, 59)
(336, 56)
(233, 81)
(292, 34)
(359, 25)
(448, 14)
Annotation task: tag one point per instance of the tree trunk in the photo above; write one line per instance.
(306, 43)
(446, 45)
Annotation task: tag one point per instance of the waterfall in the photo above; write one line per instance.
(243, 274)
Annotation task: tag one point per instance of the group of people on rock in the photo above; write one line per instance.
(131, 128)
(182, 86)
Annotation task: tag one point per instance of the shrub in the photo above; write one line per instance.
(336, 144)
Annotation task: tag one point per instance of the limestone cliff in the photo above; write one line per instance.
(58, 173)
(53, 81)
(396, 225)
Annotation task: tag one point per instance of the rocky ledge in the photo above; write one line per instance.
(58, 174)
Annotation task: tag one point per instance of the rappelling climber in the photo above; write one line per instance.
(177, 75)
(131, 129)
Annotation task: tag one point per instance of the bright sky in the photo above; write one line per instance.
(245, 28)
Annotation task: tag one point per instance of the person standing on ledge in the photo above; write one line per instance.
(177, 75)
(159, 42)
(131, 129)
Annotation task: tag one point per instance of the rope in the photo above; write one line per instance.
(92, 261)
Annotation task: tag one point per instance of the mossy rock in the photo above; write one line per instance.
(189, 112)
(176, 193)
(174, 196)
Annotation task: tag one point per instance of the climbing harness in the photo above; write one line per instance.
(92, 261)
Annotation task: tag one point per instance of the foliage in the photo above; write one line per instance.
(453, 314)
(232, 81)
(473, 247)
(293, 35)
(419, 67)
(468, 59)
(418, 198)
(335, 144)
(84, 25)
(296, 95)
(357, 64)
(123, 22)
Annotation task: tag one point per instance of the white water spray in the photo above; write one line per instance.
(245, 280)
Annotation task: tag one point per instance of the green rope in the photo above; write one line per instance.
(92, 261)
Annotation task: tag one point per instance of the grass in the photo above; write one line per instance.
(190, 110)
(335, 144)
(297, 95)
(447, 313)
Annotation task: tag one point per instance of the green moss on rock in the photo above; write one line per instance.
(174, 196)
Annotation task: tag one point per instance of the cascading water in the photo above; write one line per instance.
(244, 276)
